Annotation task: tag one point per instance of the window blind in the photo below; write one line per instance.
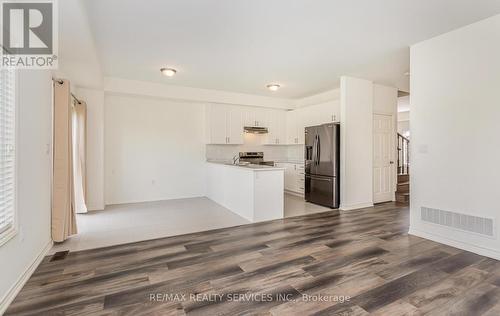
(7, 152)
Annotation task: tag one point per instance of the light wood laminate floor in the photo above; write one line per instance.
(303, 265)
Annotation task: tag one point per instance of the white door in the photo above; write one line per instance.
(383, 155)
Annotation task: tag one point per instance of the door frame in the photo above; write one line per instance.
(393, 154)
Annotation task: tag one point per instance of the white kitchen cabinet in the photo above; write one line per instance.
(327, 112)
(297, 120)
(255, 117)
(295, 124)
(216, 124)
(276, 127)
(291, 127)
(224, 124)
(234, 122)
(294, 177)
(302, 122)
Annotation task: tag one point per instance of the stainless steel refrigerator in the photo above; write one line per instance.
(322, 164)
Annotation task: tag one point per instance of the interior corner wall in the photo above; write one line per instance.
(154, 149)
(455, 148)
(356, 132)
(21, 254)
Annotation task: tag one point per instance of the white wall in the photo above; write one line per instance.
(356, 152)
(154, 149)
(20, 254)
(95, 146)
(454, 128)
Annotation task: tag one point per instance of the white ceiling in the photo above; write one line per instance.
(242, 45)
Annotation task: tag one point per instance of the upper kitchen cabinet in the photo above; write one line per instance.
(297, 120)
(276, 124)
(295, 125)
(224, 124)
(255, 117)
(324, 113)
(291, 127)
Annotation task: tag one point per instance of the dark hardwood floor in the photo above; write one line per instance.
(348, 263)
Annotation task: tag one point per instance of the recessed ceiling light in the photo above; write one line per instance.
(273, 86)
(169, 72)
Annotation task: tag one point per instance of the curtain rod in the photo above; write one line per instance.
(60, 81)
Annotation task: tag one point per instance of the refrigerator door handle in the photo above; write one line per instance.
(319, 179)
(317, 150)
(314, 151)
(318, 155)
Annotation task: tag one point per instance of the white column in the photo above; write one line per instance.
(356, 161)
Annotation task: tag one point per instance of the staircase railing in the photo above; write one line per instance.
(403, 155)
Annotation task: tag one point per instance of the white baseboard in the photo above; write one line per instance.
(91, 207)
(16, 288)
(351, 207)
(487, 252)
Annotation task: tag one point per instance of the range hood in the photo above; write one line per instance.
(255, 130)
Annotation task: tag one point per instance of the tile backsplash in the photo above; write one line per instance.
(253, 142)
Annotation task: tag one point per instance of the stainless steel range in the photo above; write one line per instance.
(255, 157)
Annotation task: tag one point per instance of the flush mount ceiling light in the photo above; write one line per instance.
(273, 86)
(169, 72)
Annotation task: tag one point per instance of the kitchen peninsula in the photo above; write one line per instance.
(254, 192)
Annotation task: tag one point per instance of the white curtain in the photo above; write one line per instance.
(79, 120)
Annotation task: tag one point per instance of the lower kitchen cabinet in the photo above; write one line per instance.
(294, 177)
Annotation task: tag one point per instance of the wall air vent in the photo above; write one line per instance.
(479, 225)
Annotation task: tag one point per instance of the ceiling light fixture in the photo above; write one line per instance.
(273, 86)
(169, 72)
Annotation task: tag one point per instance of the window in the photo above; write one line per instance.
(7, 154)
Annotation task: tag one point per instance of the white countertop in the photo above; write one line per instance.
(294, 161)
(247, 167)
